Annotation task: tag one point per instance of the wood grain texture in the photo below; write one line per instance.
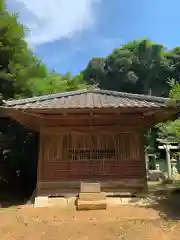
(59, 162)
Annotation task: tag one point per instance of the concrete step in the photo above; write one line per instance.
(91, 205)
(92, 196)
(93, 187)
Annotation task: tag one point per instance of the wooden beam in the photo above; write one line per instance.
(36, 118)
(90, 129)
(166, 110)
(159, 116)
(27, 121)
(109, 110)
(82, 117)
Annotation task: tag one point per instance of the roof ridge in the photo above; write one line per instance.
(45, 97)
(132, 95)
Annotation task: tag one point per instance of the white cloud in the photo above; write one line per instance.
(51, 20)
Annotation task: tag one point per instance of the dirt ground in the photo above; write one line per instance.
(122, 222)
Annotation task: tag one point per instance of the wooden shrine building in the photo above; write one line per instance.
(90, 135)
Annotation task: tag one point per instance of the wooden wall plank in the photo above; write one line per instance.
(91, 159)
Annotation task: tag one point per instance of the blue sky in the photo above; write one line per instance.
(66, 34)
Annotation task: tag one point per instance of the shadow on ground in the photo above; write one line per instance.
(10, 199)
(168, 205)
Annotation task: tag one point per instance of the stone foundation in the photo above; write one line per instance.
(71, 202)
(91, 194)
(72, 188)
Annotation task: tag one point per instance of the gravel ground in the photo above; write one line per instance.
(122, 222)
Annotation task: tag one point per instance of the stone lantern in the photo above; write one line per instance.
(174, 170)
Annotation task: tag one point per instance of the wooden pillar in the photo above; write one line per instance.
(142, 155)
(146, 160)
(39, 168)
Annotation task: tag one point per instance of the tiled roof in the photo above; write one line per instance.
(92, 98)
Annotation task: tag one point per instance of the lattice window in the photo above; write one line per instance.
(78, 154)
(91, 154)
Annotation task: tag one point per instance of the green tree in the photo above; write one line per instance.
(171, 129)
(54, 83)
(138, 67)
(17, 62)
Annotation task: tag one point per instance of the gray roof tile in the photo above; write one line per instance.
(92, 98)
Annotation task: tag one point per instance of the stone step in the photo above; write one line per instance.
(91, 205)
(87, 187)
(92, 196)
